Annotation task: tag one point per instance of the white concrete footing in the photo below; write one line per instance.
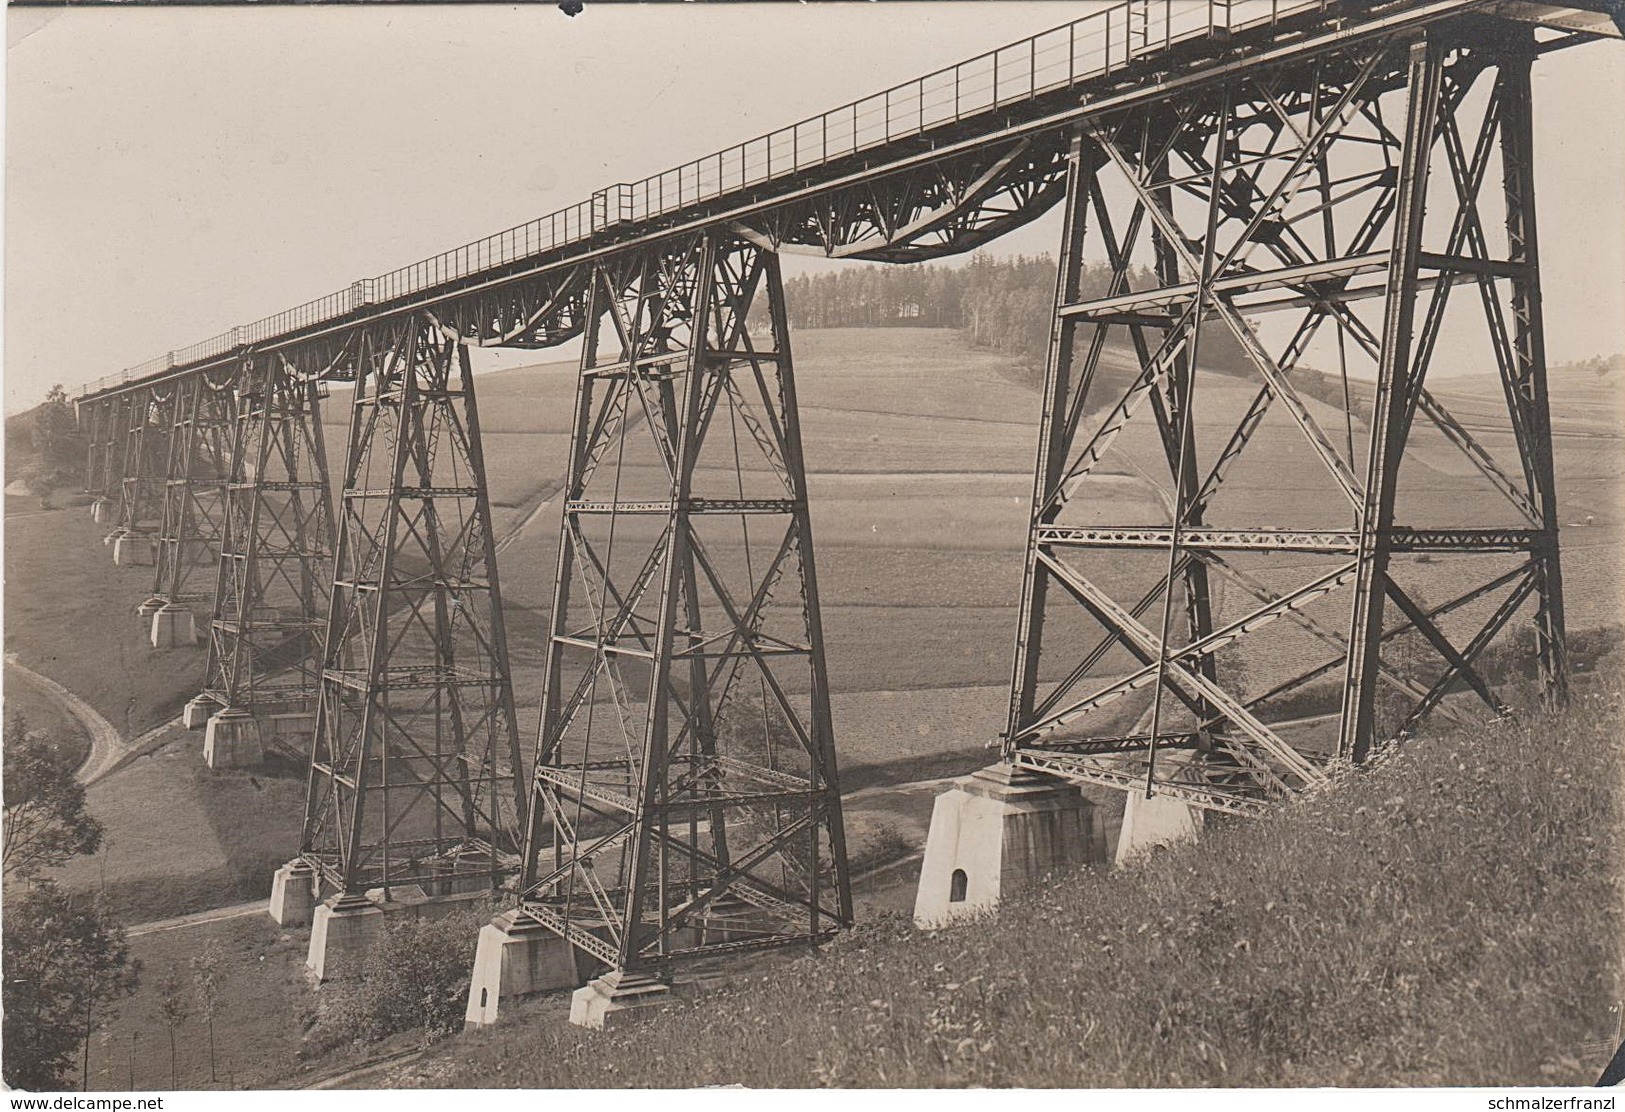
(173, 627)
(1158, 821)
(134, 550)
(615, 998)
(150, 607)
(102, 511)
(342, 930)
(232, 739)
(237, 737)
(293, 895)
(516, 957)
(997, 829)
(199, 709)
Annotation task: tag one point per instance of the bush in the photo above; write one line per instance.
(415, 979)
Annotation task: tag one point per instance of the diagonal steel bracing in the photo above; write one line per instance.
(101, 423)
(414, 769)
(1275, 238)
(685, 799)
(274, 569)
(196, 495)
(140, 447)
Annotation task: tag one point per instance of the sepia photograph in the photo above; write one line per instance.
(997, 544)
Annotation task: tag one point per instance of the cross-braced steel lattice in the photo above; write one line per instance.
(414, 769)
(143, 469)
(195, 495)
(275, 566)
(685, 799)
(1244, 460)
(102, 433)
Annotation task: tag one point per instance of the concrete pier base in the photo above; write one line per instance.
(233, 739)
(997, 829)
(516, 957)
(198, 712)
(173, 627)
(1158, 821)
(150, 607)
(134, 550)
(293, 895)
(342, 930)
(103, 510)
(615, 998)
(236, 737)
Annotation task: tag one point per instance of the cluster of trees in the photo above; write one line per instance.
(1003, 305)
(1602, 366)
(44, 446)
(65, 961)
(57, 438)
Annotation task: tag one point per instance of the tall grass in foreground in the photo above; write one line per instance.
(1448, 917)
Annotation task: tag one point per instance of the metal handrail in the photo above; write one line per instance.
(1085, 49)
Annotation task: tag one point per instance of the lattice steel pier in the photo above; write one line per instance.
(273, 572)
(685, 801)
(415, 781)
(1369, 210)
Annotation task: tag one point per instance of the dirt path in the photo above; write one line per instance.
(514, 533)
(108, 749)
(106, 744)
(363, 1072)
(198, 918)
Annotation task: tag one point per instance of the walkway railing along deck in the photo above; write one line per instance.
(1083, 50)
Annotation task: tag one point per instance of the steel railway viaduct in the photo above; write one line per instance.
(1313, 179)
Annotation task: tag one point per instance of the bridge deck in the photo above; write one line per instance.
(1028, 80)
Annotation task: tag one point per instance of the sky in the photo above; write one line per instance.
(172, 172)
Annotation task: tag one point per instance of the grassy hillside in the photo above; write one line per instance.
(1450, 917)
(71, 615)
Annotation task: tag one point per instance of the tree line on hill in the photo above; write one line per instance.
(1001, 305)
(1005, 305)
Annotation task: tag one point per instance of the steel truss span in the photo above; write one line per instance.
(1358, 211)
(936, 165)
(415, 777)
(685, 798)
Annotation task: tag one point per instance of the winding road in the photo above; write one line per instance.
(108, 749)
